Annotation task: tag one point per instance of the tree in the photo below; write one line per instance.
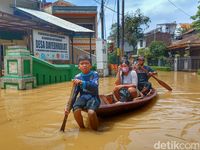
(146, 53)
(112, 57)
(196, 18)
(133, 27)
(158, 50)
(113, 33)
(135, 24)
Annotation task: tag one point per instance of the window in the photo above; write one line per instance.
(141, 43)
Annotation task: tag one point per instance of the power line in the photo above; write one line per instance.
(99, 17)
(179, 8)
(106, 6)
(106, 3)
(114, 12)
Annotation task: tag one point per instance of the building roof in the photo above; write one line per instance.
(75, 10)
(152, 31)
(161, 24)
(185, 26)
(189, 41)
(45, 5)
(57, 3)
(189, 31)
(62, 3)
(54, 20)
(12, 22)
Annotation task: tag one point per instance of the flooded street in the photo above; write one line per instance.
(30, 120)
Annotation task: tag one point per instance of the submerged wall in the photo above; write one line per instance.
(47, 73)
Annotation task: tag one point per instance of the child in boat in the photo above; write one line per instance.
(144, 73)
(126, 83)
(87, 86)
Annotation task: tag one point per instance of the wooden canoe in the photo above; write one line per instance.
(107, 108)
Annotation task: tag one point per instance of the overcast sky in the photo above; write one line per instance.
(159, 11)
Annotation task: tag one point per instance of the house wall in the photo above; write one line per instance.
(195, 52)
(85, 16)
(167, 28)
(127, 48)
(48, 9)
(83, 41)
(7, 5)
(30, 4)
(141, 44)
(78, 52)
(158, 36)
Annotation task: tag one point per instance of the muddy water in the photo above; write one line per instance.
(31, 119)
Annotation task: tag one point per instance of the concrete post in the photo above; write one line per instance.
(102, 57)
(18, 69)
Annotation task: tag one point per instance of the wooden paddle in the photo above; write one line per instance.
(162, 83)
(68, 108)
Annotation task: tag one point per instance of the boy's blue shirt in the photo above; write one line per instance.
(90, 83)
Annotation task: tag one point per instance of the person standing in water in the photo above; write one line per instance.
(87, 83)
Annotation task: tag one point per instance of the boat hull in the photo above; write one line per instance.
(118, 108)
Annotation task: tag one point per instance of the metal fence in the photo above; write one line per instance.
(190, 63)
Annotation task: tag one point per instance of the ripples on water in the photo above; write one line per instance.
(31, 119)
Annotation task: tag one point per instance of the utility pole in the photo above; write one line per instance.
(118, 49)
(102, 19)
(122, 46)
(15, 3)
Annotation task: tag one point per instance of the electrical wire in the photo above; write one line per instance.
(113, 12)
(179, 8)
(106, 6)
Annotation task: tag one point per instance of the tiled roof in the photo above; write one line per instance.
(62, 3)
(58, 3)
(191, 40)
(185, 25)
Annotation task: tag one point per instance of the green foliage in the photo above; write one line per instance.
(198, 71)
(157, 49)
(112, 57)
(94, 67)
(196, 18)
(113, 33)
(134, 26)
(146, 53)
(160, 68)
(158, 53)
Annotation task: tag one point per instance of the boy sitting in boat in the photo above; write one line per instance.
(144, 73)
(126, 83)
(87, 83)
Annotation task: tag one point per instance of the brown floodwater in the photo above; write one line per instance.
(30, 120)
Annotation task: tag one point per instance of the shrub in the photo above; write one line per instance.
(198, 71)
(112, 57)
(160, 68)
(94, 67)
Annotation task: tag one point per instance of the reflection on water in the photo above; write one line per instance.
(31, 119)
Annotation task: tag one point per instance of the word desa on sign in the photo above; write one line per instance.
(50, 46)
